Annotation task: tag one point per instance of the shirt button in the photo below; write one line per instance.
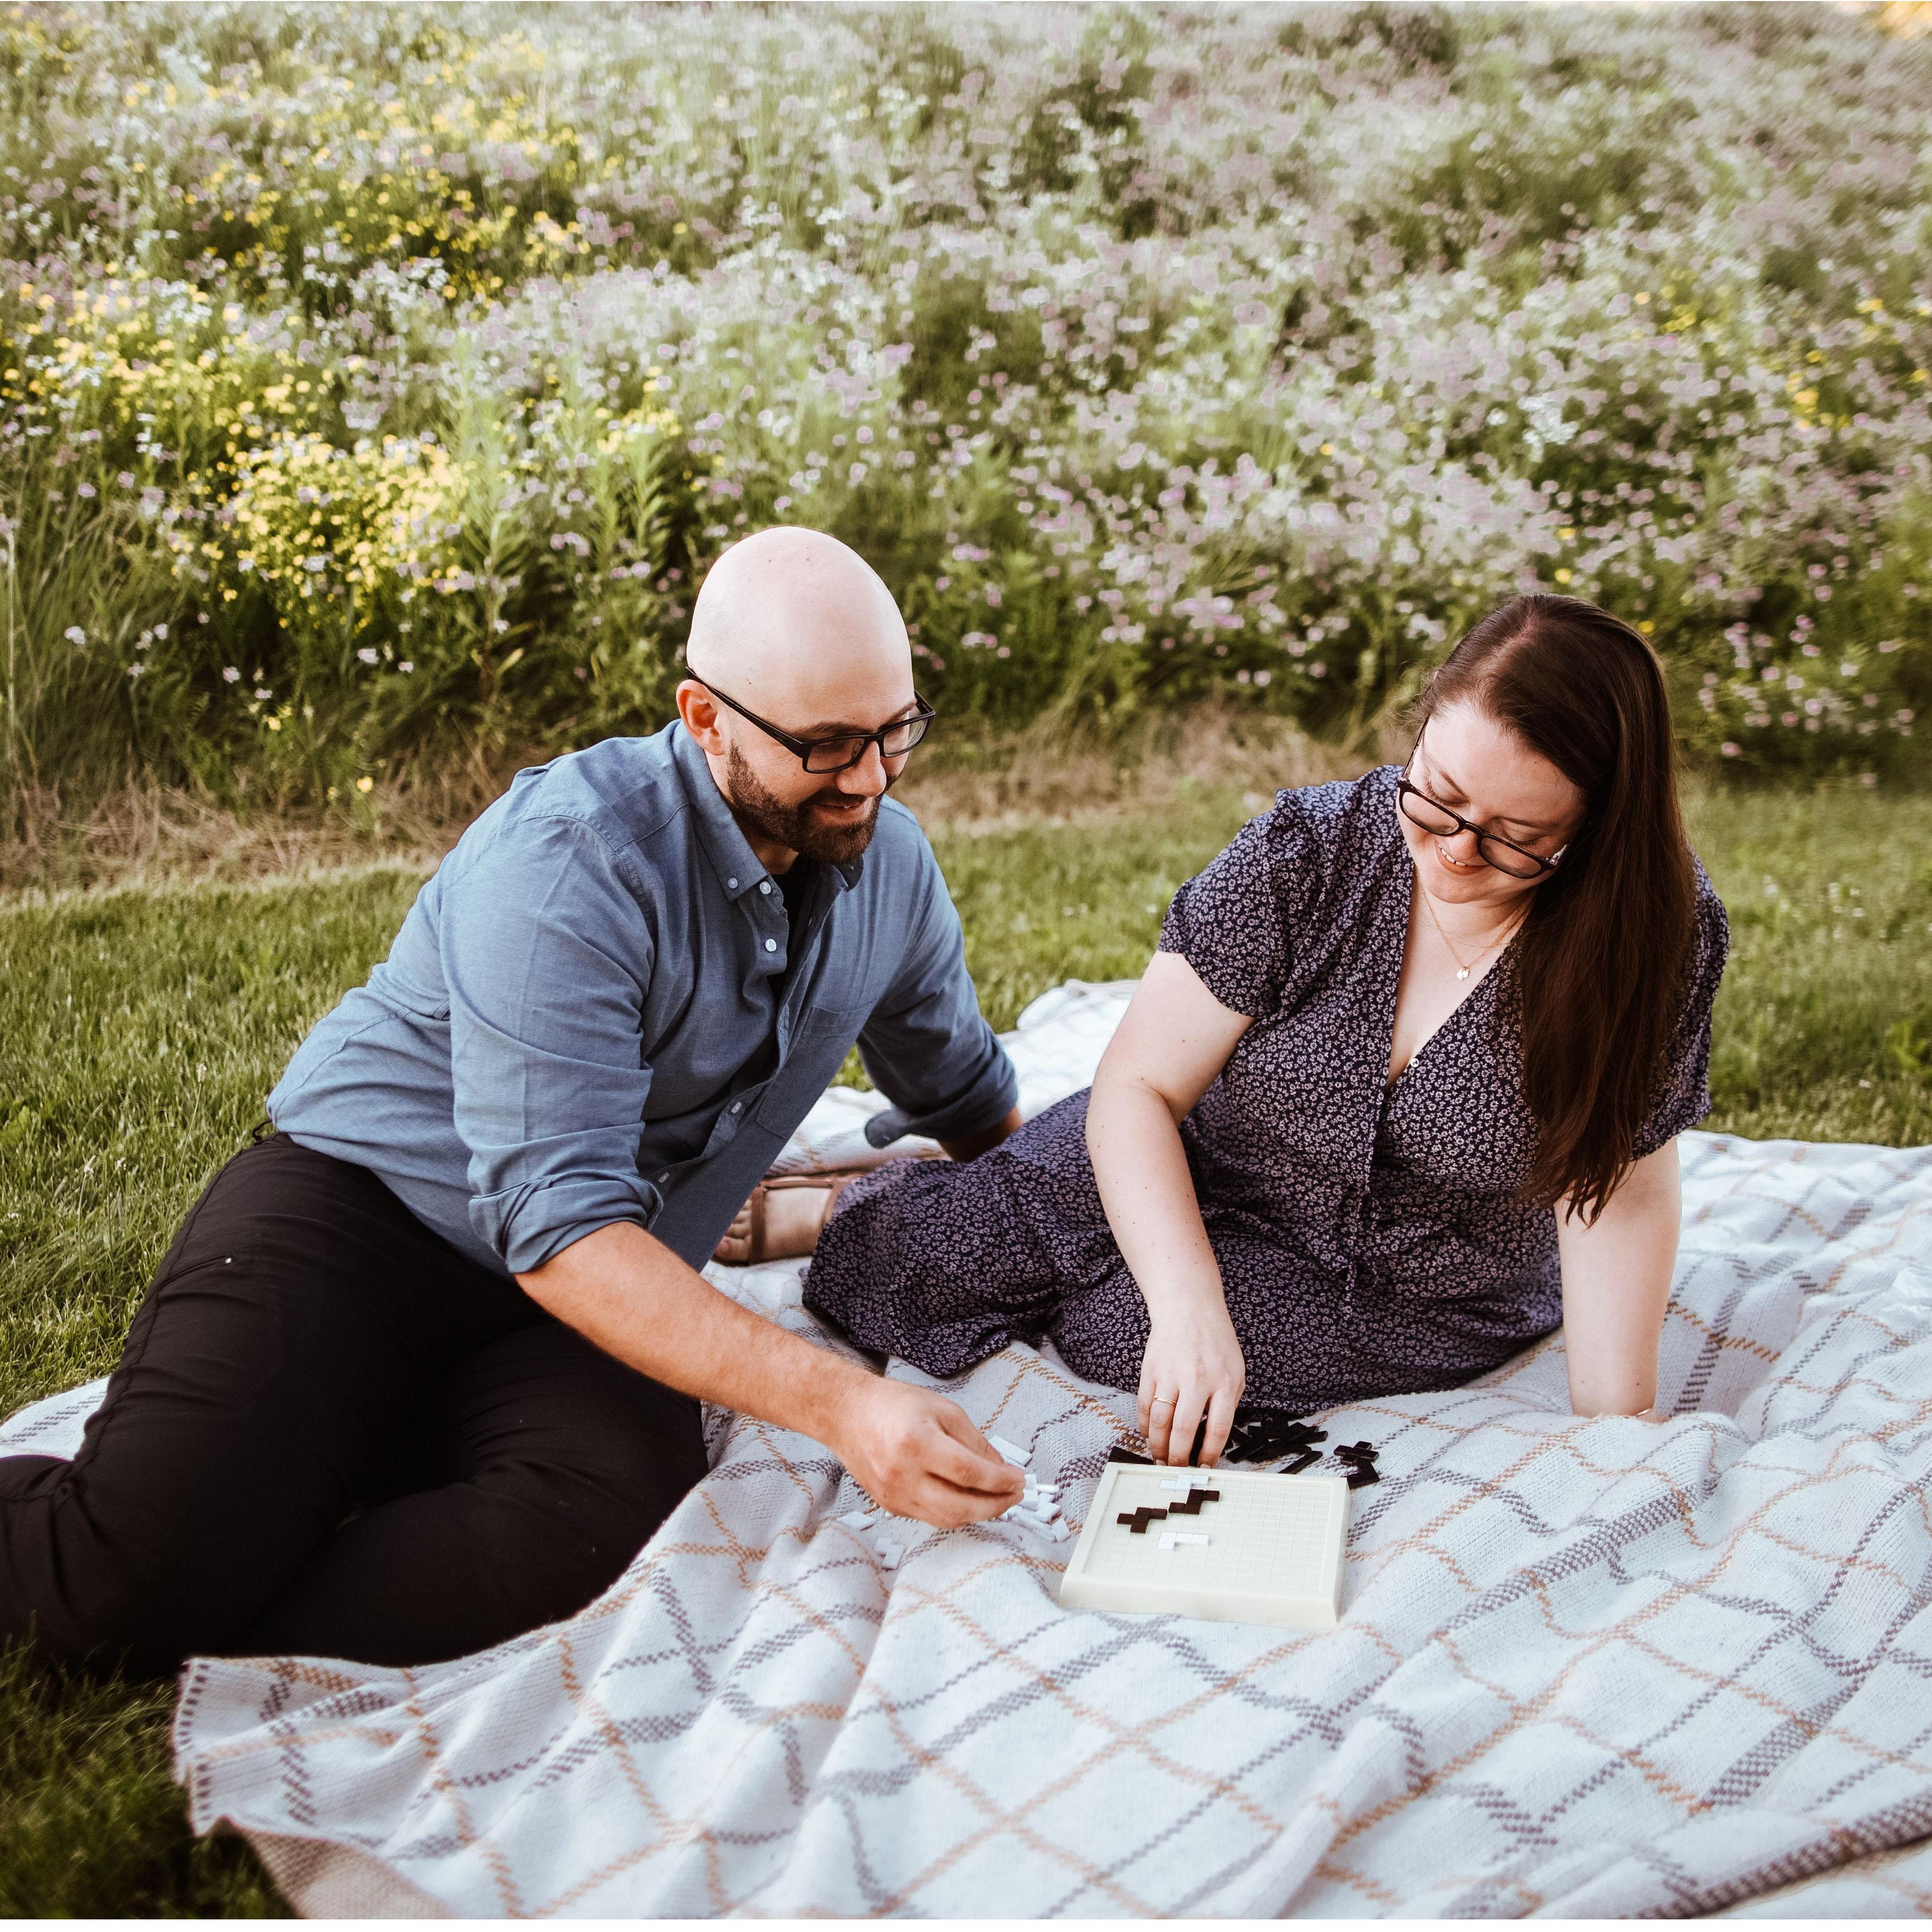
(733, 883)
(764, 885)
(771, 946)
(737, 1106)
(664, 1177)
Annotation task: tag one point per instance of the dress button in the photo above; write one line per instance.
(764, 885)
(771, 946)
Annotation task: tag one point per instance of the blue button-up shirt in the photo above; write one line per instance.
(598, 1010)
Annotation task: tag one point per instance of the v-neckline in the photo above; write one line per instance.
(1393, 992)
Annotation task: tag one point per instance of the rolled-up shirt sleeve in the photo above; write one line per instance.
(927, 1046)
(547, 954)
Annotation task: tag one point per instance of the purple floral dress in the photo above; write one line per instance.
(1366, 1231)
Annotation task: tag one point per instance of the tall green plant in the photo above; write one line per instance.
(84, 605)
(1221, 354)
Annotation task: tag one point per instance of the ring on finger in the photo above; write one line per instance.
(1161, 1402)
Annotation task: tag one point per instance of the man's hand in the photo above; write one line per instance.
(910, 1450)
(917, 1454)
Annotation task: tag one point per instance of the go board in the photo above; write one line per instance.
(1236, 1545)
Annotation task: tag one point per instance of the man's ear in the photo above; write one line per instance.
(698, 710)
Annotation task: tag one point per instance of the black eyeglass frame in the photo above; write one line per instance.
(1405, 787)
(801, 749)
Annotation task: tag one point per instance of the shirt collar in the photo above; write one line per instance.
(738, 867)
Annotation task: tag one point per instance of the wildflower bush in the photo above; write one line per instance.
(376, 380)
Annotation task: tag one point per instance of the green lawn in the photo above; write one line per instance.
(138, 1033)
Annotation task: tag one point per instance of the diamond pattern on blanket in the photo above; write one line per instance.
(1584, 1667)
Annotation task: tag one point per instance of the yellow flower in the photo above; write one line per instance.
(365, 784)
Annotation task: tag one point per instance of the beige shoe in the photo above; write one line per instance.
(746, 1242)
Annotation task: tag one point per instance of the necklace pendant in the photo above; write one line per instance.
(1464, 974)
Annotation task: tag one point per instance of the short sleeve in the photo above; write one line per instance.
(1232, 922)
(1684, 1096)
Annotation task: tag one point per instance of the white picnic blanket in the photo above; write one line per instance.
(1584, 1668)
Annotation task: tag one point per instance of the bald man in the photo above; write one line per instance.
(421, 1370)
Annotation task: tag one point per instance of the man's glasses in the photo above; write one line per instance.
(1504, 854)
(842, 753)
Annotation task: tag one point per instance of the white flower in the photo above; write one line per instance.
(367, 656)
(74, 635)
(230, 675)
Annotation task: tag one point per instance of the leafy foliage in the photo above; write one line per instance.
(408, 364)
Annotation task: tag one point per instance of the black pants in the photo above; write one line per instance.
(331, 1434)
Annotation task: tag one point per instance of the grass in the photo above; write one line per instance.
(139, 1031)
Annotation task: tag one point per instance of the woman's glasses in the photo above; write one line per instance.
(1504, 854)
(842, 753)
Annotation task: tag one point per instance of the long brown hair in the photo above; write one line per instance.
(1600, 958)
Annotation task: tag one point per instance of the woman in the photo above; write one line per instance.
(1399, 1093)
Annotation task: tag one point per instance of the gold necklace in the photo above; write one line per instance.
(1462, 971)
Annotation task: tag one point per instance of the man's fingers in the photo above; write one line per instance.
(980, 1472)
(958, 1427)
(947, 1507)
(932, 1499)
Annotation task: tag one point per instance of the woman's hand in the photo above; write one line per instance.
(1192, 1369)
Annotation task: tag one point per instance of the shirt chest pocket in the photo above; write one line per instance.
(816, 1050)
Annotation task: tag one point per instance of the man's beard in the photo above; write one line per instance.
(758, 810)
